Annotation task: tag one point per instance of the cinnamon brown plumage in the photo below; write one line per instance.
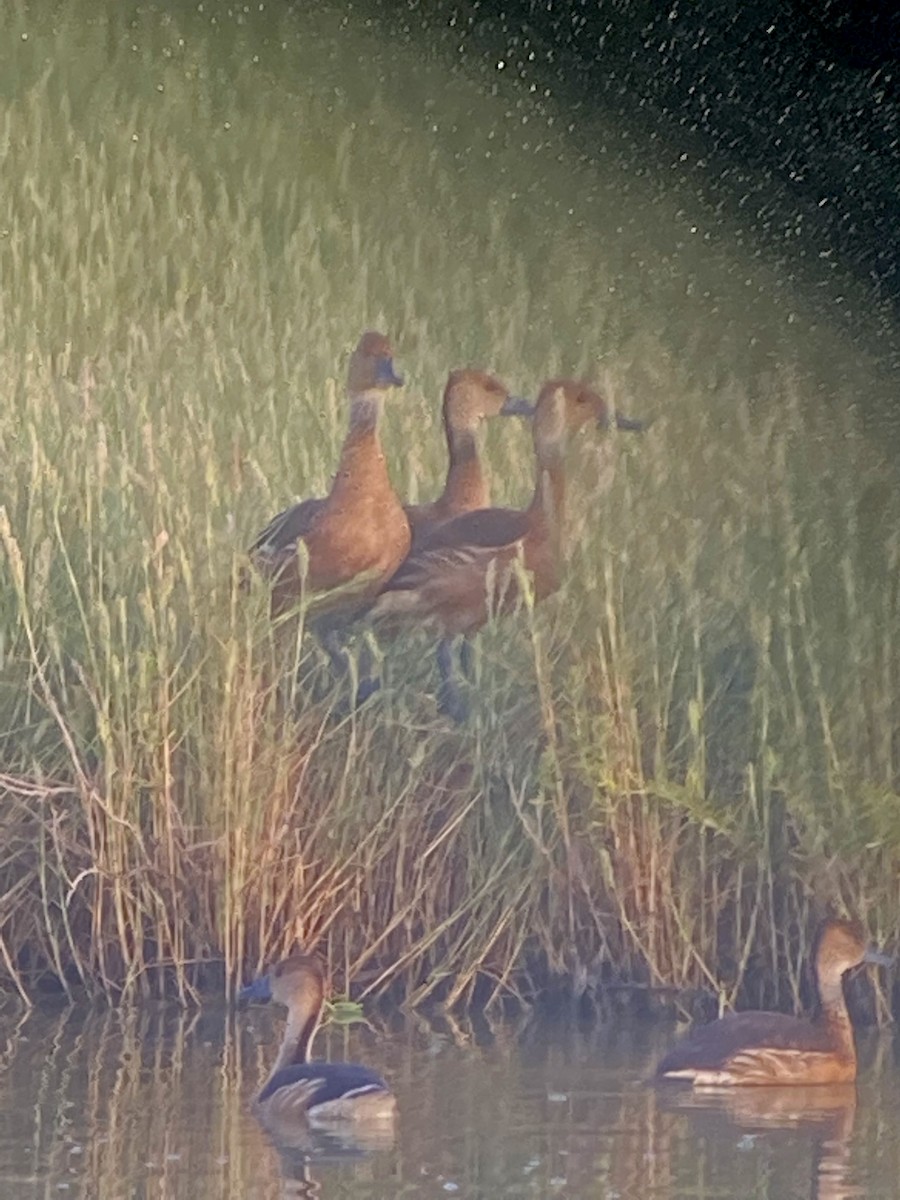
(356, 536)
(467, 568)
(766, 1048)
(470, 397)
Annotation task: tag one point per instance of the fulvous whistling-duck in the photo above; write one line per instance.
(470, 397)
(298, 1090)
(358, 534)
(465, 568)
(767, 1048)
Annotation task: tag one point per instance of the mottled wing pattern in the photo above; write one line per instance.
(766, 1066)
(319, 1083)
(710, 1047)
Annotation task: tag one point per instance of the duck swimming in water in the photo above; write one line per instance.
(297, 1089)
(767, 1048)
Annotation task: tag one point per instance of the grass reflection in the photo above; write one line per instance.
(125, 1103)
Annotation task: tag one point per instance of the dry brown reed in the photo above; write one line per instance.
(671, 770)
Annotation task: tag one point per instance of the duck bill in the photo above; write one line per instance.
(876, 958)
(386, 375)
(517, 406)
(260, 991)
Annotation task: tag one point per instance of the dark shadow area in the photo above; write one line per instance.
(788, 108)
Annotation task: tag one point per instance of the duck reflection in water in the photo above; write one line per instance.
(826, 1114)
(348, 1102)
(306, 1154)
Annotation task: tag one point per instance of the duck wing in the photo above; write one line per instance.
(711, 1046)
(489, 528)
(465, 543)
(279, 538)
(322, 1082)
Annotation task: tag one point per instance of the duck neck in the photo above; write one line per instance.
(298, 1035)
(365, 412)
(466, 486)
(834, 1014)
(362, 469)
(547, 511)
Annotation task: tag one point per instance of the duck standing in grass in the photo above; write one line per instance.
(356, 536)
(297, 1091)
(466, 568)
(344, 545)
(767, 1048)
(470, 397)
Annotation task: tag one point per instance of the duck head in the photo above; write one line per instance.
(472, 396)
(293, 982)
(566, 405)
(372, 366)
(842, 945)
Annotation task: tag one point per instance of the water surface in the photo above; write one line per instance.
(156, 1102)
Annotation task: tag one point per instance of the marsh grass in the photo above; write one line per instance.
(672, 769)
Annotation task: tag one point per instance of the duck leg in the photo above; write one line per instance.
(334, 647)
(367, 681)
(467, 659)
(451, 701)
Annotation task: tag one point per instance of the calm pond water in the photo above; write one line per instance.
(156, 1103)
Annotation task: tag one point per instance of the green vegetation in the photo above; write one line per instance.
(670, 769)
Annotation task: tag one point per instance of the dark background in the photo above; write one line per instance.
(787, 107)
